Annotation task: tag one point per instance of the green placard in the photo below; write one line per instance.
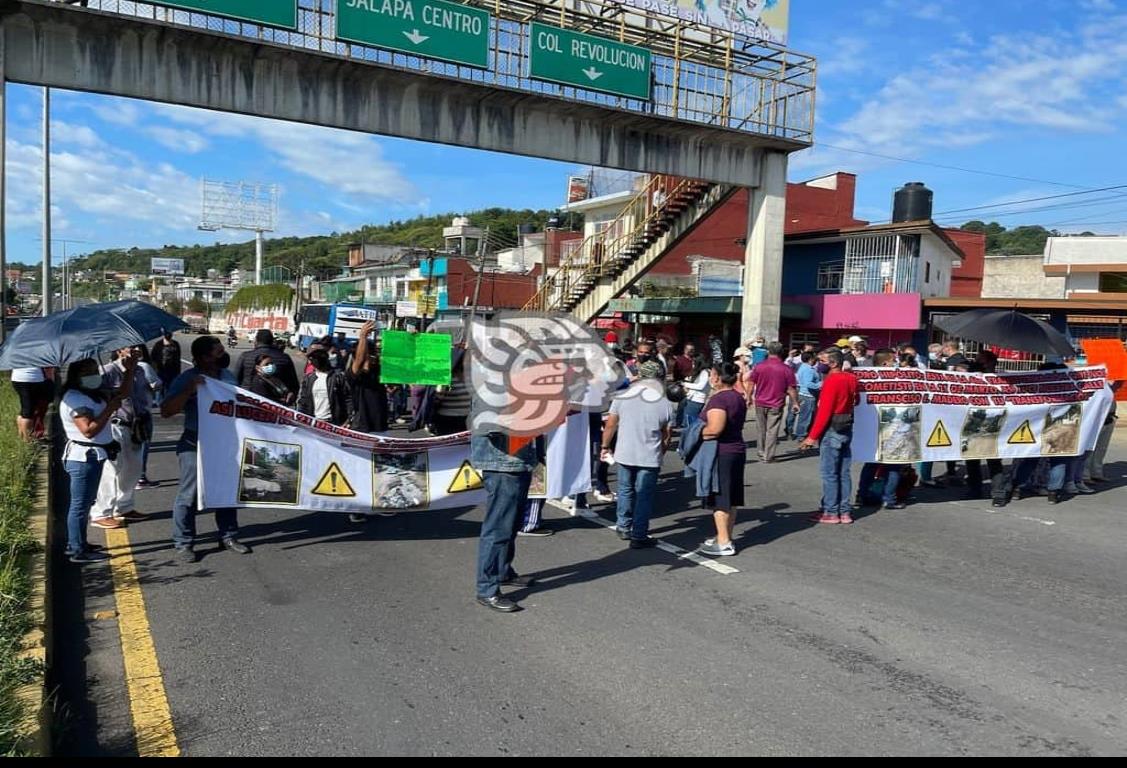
(588, 61)
(432, 28)
(415, 358)
(273, 13)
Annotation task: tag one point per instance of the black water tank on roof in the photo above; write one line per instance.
(912, 202)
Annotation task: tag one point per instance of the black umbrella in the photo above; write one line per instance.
(61, 338)
(1008, 329)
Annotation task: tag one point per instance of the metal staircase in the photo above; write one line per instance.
(602, 266)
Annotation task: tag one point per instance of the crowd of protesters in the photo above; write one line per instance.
(698, 401)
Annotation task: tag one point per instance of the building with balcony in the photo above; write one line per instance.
(840, 275)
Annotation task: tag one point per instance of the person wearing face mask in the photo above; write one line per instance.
(266, 382)
(264, 345)
(86, 411)
(324, 393)
(130, 427)
(208, 356)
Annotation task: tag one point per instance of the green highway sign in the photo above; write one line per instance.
(435, 29)
(587, 61)
(273, 13)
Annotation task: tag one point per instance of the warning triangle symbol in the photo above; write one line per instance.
(333, 483)
(465, 479)
(939, 437)
(1023, 435)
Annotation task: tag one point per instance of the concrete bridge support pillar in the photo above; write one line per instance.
(763, 255)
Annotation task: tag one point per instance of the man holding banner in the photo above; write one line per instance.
(207, 352)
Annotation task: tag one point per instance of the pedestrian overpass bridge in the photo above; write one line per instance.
(716, 107)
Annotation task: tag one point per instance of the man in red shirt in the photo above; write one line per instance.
(772, 381)
(833, 426)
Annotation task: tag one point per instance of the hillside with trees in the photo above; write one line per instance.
(322, 255)
(1019, 240)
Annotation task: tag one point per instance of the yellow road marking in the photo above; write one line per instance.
(152, 719)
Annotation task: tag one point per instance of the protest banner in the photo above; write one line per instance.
(256, 453)
(415, 358)
(908, 415)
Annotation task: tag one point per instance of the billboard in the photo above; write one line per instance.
(167, 266)
(578, 188)
(759, 19)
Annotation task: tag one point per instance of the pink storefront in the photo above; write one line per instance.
(884, 319)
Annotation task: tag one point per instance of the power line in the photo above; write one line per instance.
(1031, 200)
(949, 167)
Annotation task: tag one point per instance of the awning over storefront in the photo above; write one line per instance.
(700, 305)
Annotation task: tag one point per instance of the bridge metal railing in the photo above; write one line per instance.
(700, 74)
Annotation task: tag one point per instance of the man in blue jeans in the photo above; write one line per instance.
(209, 358)
(833, 427)
(642, 420)
(809, 385)
(507, 470)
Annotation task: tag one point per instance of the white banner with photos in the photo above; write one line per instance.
(256, 453)
(908, 415)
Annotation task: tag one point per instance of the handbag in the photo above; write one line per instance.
(142, 429)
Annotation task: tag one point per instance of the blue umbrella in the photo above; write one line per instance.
(94, 330)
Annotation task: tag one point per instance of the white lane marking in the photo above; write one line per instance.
(692, 557)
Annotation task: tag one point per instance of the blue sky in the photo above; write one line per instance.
(1019, 89)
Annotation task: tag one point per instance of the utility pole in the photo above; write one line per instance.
(45, 304)
(426, 295)
(477, 286)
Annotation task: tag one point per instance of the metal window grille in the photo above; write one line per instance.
(804, 337)
(881, 264)
(831, 275)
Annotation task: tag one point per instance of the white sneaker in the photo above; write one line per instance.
(567, 503)
(605, 498)
(716, 550)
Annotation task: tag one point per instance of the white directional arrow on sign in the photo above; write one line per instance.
(592, 73)
(415, 37)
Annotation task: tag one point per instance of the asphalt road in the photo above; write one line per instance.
(948, 628)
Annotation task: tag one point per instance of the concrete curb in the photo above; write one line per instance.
(38, 641)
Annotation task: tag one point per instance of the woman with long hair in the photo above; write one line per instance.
(725, 414)
(86, 412)
(697, 387)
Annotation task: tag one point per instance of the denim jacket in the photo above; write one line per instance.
(489, 453)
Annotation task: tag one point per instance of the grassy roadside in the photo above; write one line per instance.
(17, 486)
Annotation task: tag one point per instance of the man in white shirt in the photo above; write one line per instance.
(642, 418)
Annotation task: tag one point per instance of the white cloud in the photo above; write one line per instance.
(847, 56)
(347, 162)
(1066, 83)
(113, 186)
(177, 139)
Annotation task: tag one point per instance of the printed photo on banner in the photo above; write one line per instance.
(982, 432)
(899, 438)
(400, 481)
(270, 473)
(539, 484)
(1061, 434)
